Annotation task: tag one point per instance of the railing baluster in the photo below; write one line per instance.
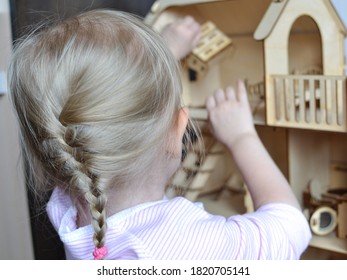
(323, 108)
(291, 107)
(344, 106)
(328, 100)
(312, 100)
(302, 107)
(285, 96)
(333, 102)
(277, 98)
(282, 99)
(339, 89)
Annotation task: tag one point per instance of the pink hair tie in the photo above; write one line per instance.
(100, 253)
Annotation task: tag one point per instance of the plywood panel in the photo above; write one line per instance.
(342, 220)
(309, 158)
(275, 141)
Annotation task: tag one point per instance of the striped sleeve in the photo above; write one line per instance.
(180, 230)
(276, 231)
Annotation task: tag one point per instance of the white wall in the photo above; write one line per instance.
(341, 8)
(15, 232)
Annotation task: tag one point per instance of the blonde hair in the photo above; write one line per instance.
(96, 95)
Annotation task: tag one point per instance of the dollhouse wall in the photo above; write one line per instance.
(304, 47)
(276, 44)
(237, 19)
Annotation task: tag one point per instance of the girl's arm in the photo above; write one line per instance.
(231, 122)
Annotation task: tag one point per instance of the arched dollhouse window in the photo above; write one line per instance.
(305, 48)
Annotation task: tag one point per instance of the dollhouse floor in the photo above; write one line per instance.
(313, 253)
(257, 107)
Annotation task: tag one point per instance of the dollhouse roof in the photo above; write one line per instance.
(160, 5)
(274, 12)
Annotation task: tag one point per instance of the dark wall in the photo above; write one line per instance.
(30, 12)
(26, 14)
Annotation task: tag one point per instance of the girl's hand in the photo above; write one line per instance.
(182, 36)
(230, 115)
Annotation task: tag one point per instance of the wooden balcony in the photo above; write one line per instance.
(307, 101)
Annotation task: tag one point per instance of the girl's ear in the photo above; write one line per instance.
(174, 148)
(182, 122)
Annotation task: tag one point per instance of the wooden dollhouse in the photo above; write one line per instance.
(291, 55)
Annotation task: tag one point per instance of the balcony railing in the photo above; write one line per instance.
(307, 101)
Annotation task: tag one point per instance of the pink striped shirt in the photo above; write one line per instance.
(178, 229)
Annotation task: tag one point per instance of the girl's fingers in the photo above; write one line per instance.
(210, 103)
(194, 28)
(242, 92)
(230, 94)
(188, 20)
(219, 96)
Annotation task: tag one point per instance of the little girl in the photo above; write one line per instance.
(98, 99)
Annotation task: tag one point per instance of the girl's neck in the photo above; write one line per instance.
(121, 199)
(147, 189)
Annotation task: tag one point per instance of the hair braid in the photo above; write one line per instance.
(66, 160)
(97, 201)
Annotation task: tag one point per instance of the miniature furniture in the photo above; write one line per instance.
(291, 55)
